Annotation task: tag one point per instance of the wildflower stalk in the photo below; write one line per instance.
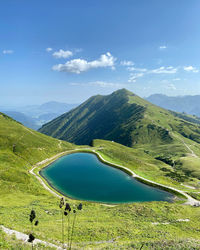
(68, 236)
(79, 207)
(66, 212)
(32, 233)
(70, 246)
(63, 241)
(62, 203)
(31, 219)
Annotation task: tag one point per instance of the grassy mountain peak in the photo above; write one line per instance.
(122, 117)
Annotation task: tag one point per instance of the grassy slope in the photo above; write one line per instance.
(122, 117)
(130, 120)
(117, 117)
(20, 148)
(84, 123)
(142, 161)
(130, 225)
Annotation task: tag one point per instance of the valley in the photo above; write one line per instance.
(170, 160)
(34, 116)
(99, 125)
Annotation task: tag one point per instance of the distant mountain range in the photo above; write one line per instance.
(122, 117)
(187, 104)
(33, 116)
(22, 118)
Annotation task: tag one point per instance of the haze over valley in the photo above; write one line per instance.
(99, 124)
(34, 116)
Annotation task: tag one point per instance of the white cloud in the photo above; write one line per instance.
(191, 69)
(62, 54)
(176, 79)
(134, 76)
(99, 83)
(140, 72)
(80, 65)
(164, 70)
(127, 63)
(137, 69)
(162, 47)
(7, 52)
(49, 49)
(104, 84)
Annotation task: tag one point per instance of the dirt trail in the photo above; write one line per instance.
(27, 129)
(186, 145)
(190, 201)
(192, 152)
(59, 144)
(24, 238)
(49, 160)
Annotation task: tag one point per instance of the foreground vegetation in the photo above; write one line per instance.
(153, 224)
(103, 226)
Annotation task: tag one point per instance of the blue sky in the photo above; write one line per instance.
(69, 50)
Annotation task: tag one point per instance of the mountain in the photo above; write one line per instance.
(46, 108)
(187, 104)
(122, 117)
(22, 118)
(47, 117)
(34, 116)
(56, 107)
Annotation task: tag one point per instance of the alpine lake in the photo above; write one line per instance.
(82, 176)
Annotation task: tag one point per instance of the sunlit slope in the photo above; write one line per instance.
(20, 192)
(122, 117)
(170, 164)
(20, 148)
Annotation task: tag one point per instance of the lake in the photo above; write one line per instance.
(83, 176)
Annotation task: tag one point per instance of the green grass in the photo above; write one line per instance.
(124, 223)
(127, 224)
(142, 161)
(20, 148)
(124, 118)
(10, 242)
(190, 166)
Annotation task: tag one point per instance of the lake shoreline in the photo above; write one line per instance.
(190, 201)
(56, 187)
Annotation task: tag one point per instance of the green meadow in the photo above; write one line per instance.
(158, 225)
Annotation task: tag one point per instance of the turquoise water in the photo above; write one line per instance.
(82, 176)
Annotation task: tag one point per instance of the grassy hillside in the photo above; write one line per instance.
(22, 118)
(20, 148)
(170, 165)
(122, 117)
(154, 224)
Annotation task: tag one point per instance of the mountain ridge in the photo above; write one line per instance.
(34, 116)
(188, 104)
(122, 117)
